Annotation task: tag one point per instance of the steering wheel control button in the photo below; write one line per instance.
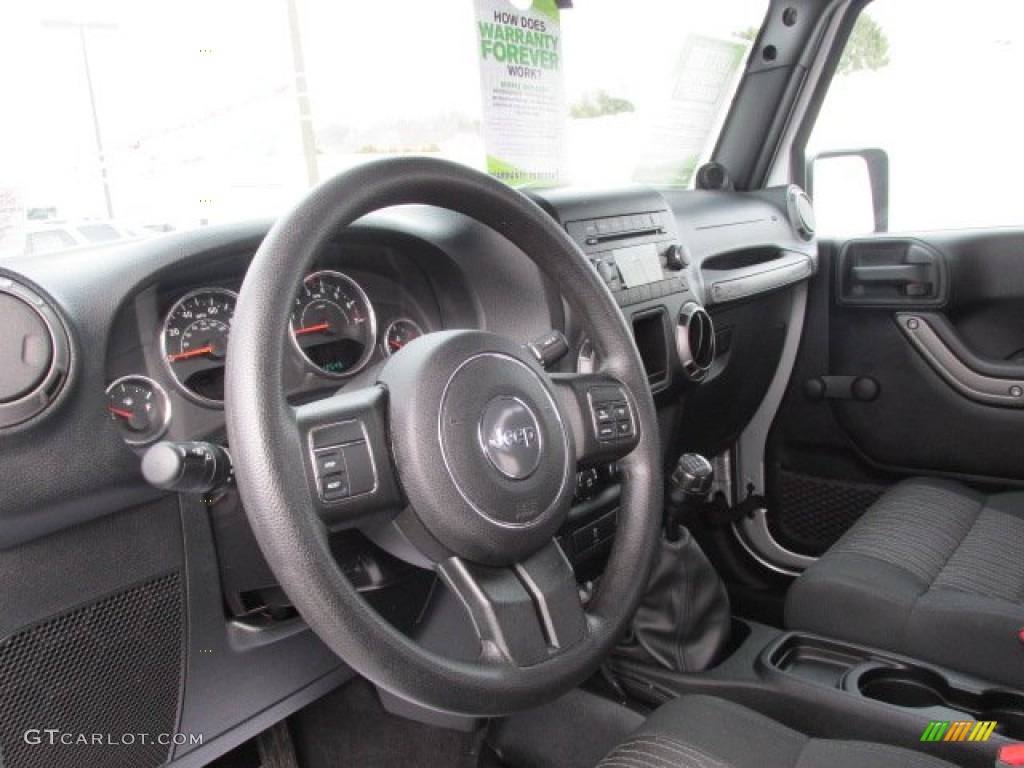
(613, 419)
(342, 461)
(510, 437)
(329, 461)
(334, 486)
(359, 466)
(338, 434)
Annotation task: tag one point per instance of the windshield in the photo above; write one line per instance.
(151, 117)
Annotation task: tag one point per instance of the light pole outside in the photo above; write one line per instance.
(82, 26)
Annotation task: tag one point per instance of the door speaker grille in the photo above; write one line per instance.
(105, 670)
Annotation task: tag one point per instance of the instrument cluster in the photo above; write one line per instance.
(333, 330)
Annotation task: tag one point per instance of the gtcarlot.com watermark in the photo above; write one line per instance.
(56, 737)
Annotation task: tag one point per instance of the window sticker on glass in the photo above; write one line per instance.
(705, 76)
(523, 92)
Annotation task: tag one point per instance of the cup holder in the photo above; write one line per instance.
(1005, 708)
(913, 688)
(916, 688)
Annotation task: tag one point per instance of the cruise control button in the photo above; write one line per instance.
(620, 412)
(602, 413)
(606, 431)
(624, 428)
(333, 487)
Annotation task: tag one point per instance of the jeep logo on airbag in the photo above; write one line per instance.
(510, 437)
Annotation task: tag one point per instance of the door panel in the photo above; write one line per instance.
(957, 413)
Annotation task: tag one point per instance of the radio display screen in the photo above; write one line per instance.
(638, 264)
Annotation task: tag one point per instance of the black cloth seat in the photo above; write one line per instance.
(704, 732)
(933, 570)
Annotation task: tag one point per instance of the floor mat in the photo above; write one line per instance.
(350, 728)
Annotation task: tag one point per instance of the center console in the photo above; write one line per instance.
(838, 690)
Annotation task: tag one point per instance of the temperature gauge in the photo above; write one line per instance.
(139, 409)
(400, 333)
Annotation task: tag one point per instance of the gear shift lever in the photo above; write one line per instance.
(688, 488)
(684, 620)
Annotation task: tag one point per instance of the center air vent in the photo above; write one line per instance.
(34, 353)
(695, 341)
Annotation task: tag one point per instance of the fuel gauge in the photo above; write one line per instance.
(139, 409)
(400, 333)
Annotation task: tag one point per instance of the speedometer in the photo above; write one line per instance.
(195, 342)
(333, 324)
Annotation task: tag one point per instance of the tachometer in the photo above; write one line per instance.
(195, 342)
(333, 324)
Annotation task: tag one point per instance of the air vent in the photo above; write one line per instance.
(35, 355)
(695, 341)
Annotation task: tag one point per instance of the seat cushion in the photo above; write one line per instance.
(704, 732)
(932, 570)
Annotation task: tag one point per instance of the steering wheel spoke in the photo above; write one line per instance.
(523, 614)
(602, 414)
(345, 452)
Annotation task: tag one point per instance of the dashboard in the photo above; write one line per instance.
(123, 348)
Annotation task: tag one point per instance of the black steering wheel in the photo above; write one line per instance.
(465, 442)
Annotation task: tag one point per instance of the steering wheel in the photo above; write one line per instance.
(464, 442)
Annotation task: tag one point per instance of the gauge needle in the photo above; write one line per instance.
(395, 345)
(122, 414)
(208, 350)
(312, 328)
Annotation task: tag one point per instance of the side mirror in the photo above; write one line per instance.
(850, 189)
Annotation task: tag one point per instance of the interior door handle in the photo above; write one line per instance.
(891, 272)
(897, 274)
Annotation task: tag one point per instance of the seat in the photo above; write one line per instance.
(932, 570)
(705, 732)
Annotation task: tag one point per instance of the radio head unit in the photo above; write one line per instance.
(638, 255)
